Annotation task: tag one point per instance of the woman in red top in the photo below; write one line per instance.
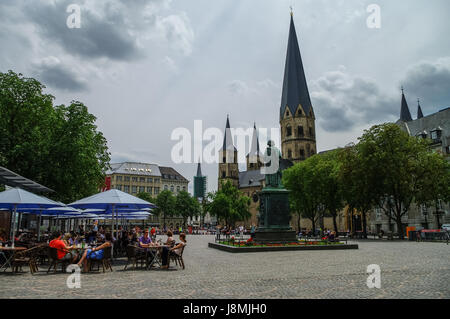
(63, 250)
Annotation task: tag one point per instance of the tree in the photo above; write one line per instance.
(229, 205)
(146, 196)
(165, 202)
(400, 169)
(305, 194)
(186, 206)
(357, 184)
(58, 147)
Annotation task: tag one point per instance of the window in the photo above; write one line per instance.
(289, 154)
(142, 179)
(178, 189)
(224, 174)
(150, 190)
(172, 188)
(378, 213)
(119, 178)
(300, 131)
(436, 134)
(311, 133)
(150, 180)
(299, 112)
(156, 190)
(287, 113)
(166, 187)
(141, 189)
(133, 189)
(126, 189)
(302, 152)
(288, 131)
(156, 180)
(184, 188)
(119, 187)
(126, 178)
(134, 179)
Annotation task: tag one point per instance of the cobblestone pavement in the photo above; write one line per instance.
(408, 270)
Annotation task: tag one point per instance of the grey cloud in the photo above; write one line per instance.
(342, 101)
(97, 37)
(430, 81)
(54, 74)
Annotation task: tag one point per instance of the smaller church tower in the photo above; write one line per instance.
(254, 156)
(419, 110)
(228, 159)
(405, 114)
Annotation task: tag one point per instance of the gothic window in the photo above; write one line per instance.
(223, 174)
(288, 131)
(311, 133)
(299, 112)
(289, 154)
(302, 153)
(287, 112)
(300, 131)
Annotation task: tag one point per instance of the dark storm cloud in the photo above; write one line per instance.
(56, 75)
(342, 101)
(430, 81)
(98, 36)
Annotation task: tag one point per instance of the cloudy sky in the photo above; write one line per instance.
(146, 67)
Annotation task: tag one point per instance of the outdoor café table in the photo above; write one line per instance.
(152, 253)
(11, 251)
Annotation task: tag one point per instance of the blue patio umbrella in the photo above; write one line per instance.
(18, 199)
(113, 201)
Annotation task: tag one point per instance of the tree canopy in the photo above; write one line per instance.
(57, 146)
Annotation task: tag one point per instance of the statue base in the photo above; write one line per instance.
(275, 236)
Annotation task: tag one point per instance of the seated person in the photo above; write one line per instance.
(95, 253)
(174, 250)
(63, 251)
(145, 241)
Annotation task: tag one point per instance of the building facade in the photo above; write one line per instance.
(135, 178)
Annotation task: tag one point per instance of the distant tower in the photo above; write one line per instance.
(297, 120)
(419, 110)
(405, 114)
(228, 159)
(254, 157)
(199, 184)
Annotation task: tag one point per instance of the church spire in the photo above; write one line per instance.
(419, 110)
(405, 114)
(199, 169)
(228, 138)
(295, 88)
(254, 149)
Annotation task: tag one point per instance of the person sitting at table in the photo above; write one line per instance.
(95, 253)
(67, 238)
(145, 241)
(63, 250)
(174, 250)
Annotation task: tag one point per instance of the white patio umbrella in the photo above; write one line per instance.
(18, 199)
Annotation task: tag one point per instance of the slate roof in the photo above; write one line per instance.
(132, 168)
(295, 88)
(172, 174)
(228, 138)
(250, 178)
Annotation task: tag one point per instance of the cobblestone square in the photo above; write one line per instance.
(408, 270)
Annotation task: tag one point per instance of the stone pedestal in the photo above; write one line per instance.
(274, 217)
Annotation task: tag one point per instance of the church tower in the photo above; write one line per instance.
(228, 159)
(297, 120)
(254, 156)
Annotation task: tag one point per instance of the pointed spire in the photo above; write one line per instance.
(228, 138)
(405, 114)
(254, 149)
(295, 88)
(419, 109)
(199, 169)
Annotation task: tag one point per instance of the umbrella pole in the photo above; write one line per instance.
(39, 226)
(14, 225)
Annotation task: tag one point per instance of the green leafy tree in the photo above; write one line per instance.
(305, 193)
(58, 147)
(404, 168)
(229, 205)
(146, 196)
(186, 206)
(165, 202)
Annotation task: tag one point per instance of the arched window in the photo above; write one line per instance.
(288, 131)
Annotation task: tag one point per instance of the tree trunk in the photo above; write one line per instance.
(399, 227)
(364, 217)
(335, 222)
(298, 222)
(313, 226)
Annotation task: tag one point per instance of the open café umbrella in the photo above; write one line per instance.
(113, 201)
(18, 199)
